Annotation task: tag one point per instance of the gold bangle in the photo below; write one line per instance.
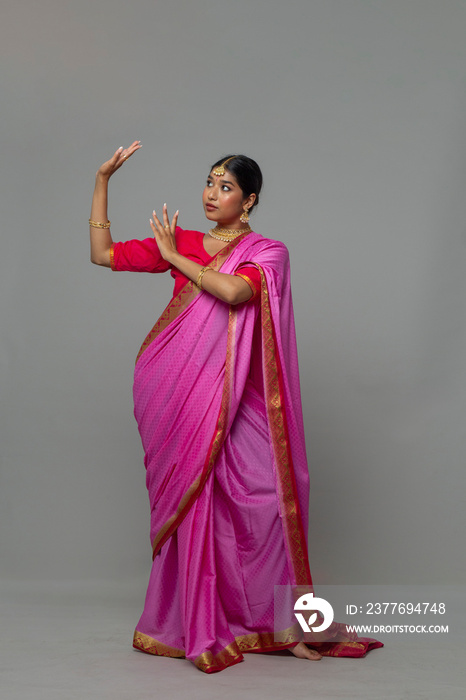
(99, 224)
(201, 275)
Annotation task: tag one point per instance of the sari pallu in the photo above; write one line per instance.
(218, 407)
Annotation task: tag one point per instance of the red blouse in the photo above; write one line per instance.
(144, 256)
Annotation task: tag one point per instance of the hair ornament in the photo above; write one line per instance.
(220, 169)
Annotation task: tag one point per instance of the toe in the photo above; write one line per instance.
(314, 654)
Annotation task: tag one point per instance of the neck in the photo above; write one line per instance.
(230, 225)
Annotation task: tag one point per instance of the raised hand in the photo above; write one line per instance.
(164, 234)
(107, 169)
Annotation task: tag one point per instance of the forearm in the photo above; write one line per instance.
(229, 288)
(101, 238)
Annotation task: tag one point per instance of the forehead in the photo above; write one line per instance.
(228, 178)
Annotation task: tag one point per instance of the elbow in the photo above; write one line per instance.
(97, 261)
(102, 260)
(233, 291)
(237, 296)
(235, 299)
(230, 295)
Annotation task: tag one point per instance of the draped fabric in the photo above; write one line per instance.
(218, 406)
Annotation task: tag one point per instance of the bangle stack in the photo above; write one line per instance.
(201, 275)
(99, 224)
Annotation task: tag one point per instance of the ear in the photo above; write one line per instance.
(249, 201)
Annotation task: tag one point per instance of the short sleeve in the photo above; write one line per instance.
(253, 277)
(137, 256)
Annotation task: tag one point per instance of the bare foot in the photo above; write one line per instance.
(301, 651)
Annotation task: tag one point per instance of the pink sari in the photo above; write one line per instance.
(218, 406)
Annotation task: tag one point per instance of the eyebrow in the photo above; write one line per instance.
(225, 182)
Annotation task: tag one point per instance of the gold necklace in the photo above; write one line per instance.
(228, 234)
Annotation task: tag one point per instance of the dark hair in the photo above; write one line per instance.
(247, 173)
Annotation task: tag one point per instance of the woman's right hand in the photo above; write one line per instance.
(107, 169)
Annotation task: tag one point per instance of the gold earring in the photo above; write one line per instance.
(244, 216)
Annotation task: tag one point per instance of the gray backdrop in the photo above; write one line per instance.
(355, 110)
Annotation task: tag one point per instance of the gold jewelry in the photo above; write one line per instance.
(167, 226)
(220, 169)
(228, 234)
(244, 216)
(99, 224)
(201, 275)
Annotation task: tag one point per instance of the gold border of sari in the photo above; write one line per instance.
(248, 644)
(276, 413)
(178, 304)
(233, 653)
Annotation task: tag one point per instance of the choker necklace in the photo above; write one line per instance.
(228, 234)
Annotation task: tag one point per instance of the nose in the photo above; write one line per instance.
(212, 192)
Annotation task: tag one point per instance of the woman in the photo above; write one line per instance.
(218, 407)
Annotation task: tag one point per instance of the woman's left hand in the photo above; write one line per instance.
(164, 234)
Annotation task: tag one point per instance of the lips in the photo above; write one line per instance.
(210, 207)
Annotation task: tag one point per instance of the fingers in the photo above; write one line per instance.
(116, 156)
(165, 217)
(157, 228)
(135, 146)
(153, 227)
(156, 221)
(166, 221)
(164, 227)
(123, 154)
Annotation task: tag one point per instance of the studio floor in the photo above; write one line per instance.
(71, 640)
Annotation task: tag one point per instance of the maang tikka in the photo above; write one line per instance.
(220, 169)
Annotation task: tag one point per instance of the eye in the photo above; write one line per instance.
(225, 187)
(209, 183)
